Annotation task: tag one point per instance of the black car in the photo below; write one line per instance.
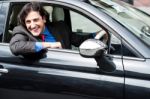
(117, 69)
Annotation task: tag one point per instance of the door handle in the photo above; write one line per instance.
(3, 70)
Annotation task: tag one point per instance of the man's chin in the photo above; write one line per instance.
(35, 34)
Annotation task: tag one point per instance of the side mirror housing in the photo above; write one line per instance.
(92, 48)
(95, 48)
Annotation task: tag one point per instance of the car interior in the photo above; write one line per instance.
(53, 11)
(60, 14)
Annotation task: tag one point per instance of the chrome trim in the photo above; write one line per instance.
(133, 58)
(64, 50)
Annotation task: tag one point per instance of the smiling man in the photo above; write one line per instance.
(35, 33)
(26, 37)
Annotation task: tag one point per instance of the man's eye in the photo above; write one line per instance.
(27, 22)
(35, 20)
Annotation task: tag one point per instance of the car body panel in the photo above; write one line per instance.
(137, 78)
(77, 75)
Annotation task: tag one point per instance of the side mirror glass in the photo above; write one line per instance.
(92, 48)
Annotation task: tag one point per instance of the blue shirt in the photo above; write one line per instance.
(48, 37)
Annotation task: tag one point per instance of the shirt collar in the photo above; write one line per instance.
(46, 32)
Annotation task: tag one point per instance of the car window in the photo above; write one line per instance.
(12, 13)
(117, 47)
(82, 24)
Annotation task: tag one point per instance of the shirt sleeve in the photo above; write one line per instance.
(38, 46)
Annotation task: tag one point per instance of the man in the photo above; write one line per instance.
(33, 24)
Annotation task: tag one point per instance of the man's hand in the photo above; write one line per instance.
(51, 45)
(101, 34)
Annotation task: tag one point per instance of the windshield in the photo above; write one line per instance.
(135, 20)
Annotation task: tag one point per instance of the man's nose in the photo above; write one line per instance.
(33, 25)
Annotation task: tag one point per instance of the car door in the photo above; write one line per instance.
(137, 83)
(62, 74)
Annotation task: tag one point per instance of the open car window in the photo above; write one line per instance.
(82, 25)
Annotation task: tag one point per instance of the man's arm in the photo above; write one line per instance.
(20, 45)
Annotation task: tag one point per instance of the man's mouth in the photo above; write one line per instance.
(35, 30)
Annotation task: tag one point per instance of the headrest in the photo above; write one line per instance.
(57, 14)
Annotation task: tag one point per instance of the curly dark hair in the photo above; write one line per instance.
(32, 6)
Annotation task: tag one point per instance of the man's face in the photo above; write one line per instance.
(35, 23)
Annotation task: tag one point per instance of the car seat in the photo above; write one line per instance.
(57, 14)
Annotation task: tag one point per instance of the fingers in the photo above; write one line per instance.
(51, 45)
(55, 45)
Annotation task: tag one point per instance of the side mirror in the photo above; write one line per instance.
(95, 48)
(92, 48)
